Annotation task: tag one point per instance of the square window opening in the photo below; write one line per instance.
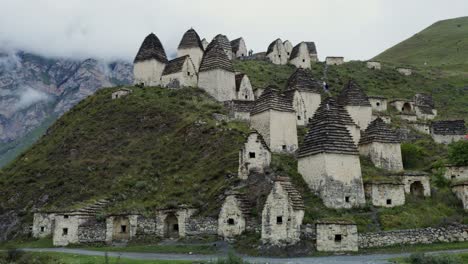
(298, 117)
(279, 220)
(389, 201)
(230, 221)
(378, 104)
(175, 227)
(42, 229)
(303, 60)
(284, 147)
(453, 177)
(64, 231)
(347, 199)
(65, 216)
(188, 73)
(338, 238)
(252, 155)
(123, 229)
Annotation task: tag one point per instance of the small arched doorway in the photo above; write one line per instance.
(417, 189)
(406, 108)
(172, 226)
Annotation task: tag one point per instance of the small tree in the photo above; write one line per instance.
(458, 152)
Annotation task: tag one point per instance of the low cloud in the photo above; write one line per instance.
(28, 96)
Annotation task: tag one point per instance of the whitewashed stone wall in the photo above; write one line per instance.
(218, 83)
(43, 225)
(253, 156)
(461, 191)
(421, 127)
(424, 180)
(148, 72)
(278, 55)
(361, 115)
(453, 172)
(336, 178)
(305, 104)
(334, 60)
(70, 224)
(204, 226)
(446, 139)
(242, 51)
(405, 71)
(196, 55)
(386, 194)
(403, 106)
(302, 60)
(278, 129)
(336, 237)
(408, 117)
(378, 104)
(245, 90)
(452, 233)
(231, 220)
(187, 77)
(258, 92)
(374, 65)
(286, 231)
(384, 155)
(120, 93)
(112, 225)
(422, 115)
(355, 132)
(387, 119)
(288, 47)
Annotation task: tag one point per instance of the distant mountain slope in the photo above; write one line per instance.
(35, 89)
(443, 43)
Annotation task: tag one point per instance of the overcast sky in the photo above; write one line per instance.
(110, 29)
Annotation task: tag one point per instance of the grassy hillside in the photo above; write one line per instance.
(154, 148)
(441, 44)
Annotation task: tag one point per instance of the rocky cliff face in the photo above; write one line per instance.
(34, 88)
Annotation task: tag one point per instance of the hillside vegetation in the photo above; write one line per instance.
(442, 44)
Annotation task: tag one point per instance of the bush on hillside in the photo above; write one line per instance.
(458, 152)
(413, 156)
(421, 258)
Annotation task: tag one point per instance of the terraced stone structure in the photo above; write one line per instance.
(149, 62)
(448, 131)
(179, 72)
(276, 53)
(239, 49)
(382, 145)
(353, 98)
(217, 75)
(244, 87)
(234, 216)
(385, 193)
(254, 156)
(312, 51)
(303, 91)
(424, 106)
(191, 45)
(274, 118)
(336, 236)
(282, 214)
(300, 56)
(328, 160)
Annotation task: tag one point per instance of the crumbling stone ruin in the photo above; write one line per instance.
(328, 160)
(448, 131)
(239, 109)
(456, 173)
(149, 62)
(385, 193)
(276, 53)
(288, 47)
(224, 43)
(234, 215)
(461, 191)
(382, 145)
(275, 119)
(374, 65)
(405, 71)
(378, 103)
(334, 60)
(244, 87)
(254, 156)
(416, 183)
(303, 92)
(179, 72)
(356, 103)
(204, 43)
(191, 45)
(424, 106)
(405, 109)
(282, 214)
(239, 49)
(336, 235)
(312, 51)
(300, 56)
(122, 92)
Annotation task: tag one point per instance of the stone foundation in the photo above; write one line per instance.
(336, 236)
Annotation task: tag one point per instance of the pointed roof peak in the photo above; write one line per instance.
(353, 95)
(379, 131)
(215, 57)
(303, 80)
(190, 39)
(272, 99)
(151, 48)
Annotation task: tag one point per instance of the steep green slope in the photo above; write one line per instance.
(153, 148)
(443, 43)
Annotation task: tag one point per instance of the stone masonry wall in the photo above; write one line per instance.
(201, 226)
(92, 233)
(453, 233)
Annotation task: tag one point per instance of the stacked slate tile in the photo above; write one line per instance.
(272, 99)
(295, 197)
(353, 95)
(190, 40)
(302, 80)
(216, 58)
(260, 137)
(239, 77)
(295, 51)
(449, 127)
(425, 103)
(311, 47)
(379, 131)
(328, 133)
(244, 204)
(151, 48)
(272, 46)
(222, 41)
(175, 65)
(240, 105)
(340, 114)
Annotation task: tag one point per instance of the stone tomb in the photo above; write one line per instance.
(334, 60)
(239, 49)
(353, 98)
(233, 217)
(417, 183)
(149, 62)
(282, 214)
(374, 65)
(461, 191)
(244, 87)
(378, 103)
(254, 156)
(300, 56)
(276, 53)
(122, 92)
(43, 224)
(191, 45)
(239, 109)
(385, 193)
(179, 72)
(448, 131)
(336, 236)
(120, 228)
(454, 172)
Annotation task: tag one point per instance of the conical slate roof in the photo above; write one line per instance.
(449, 127)
(296, 49)
(378, 131)
(216, 58)
(190, 40)
(222, 41)
(295, 198)
(175, 65)
(311, 47)
(353, 95)
(151, 48)
(327, 134)
(303, 80)
(272, 99)
(340, 114)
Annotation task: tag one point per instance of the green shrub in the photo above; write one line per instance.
(458, 152)
(414, 156)
(421, 258)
